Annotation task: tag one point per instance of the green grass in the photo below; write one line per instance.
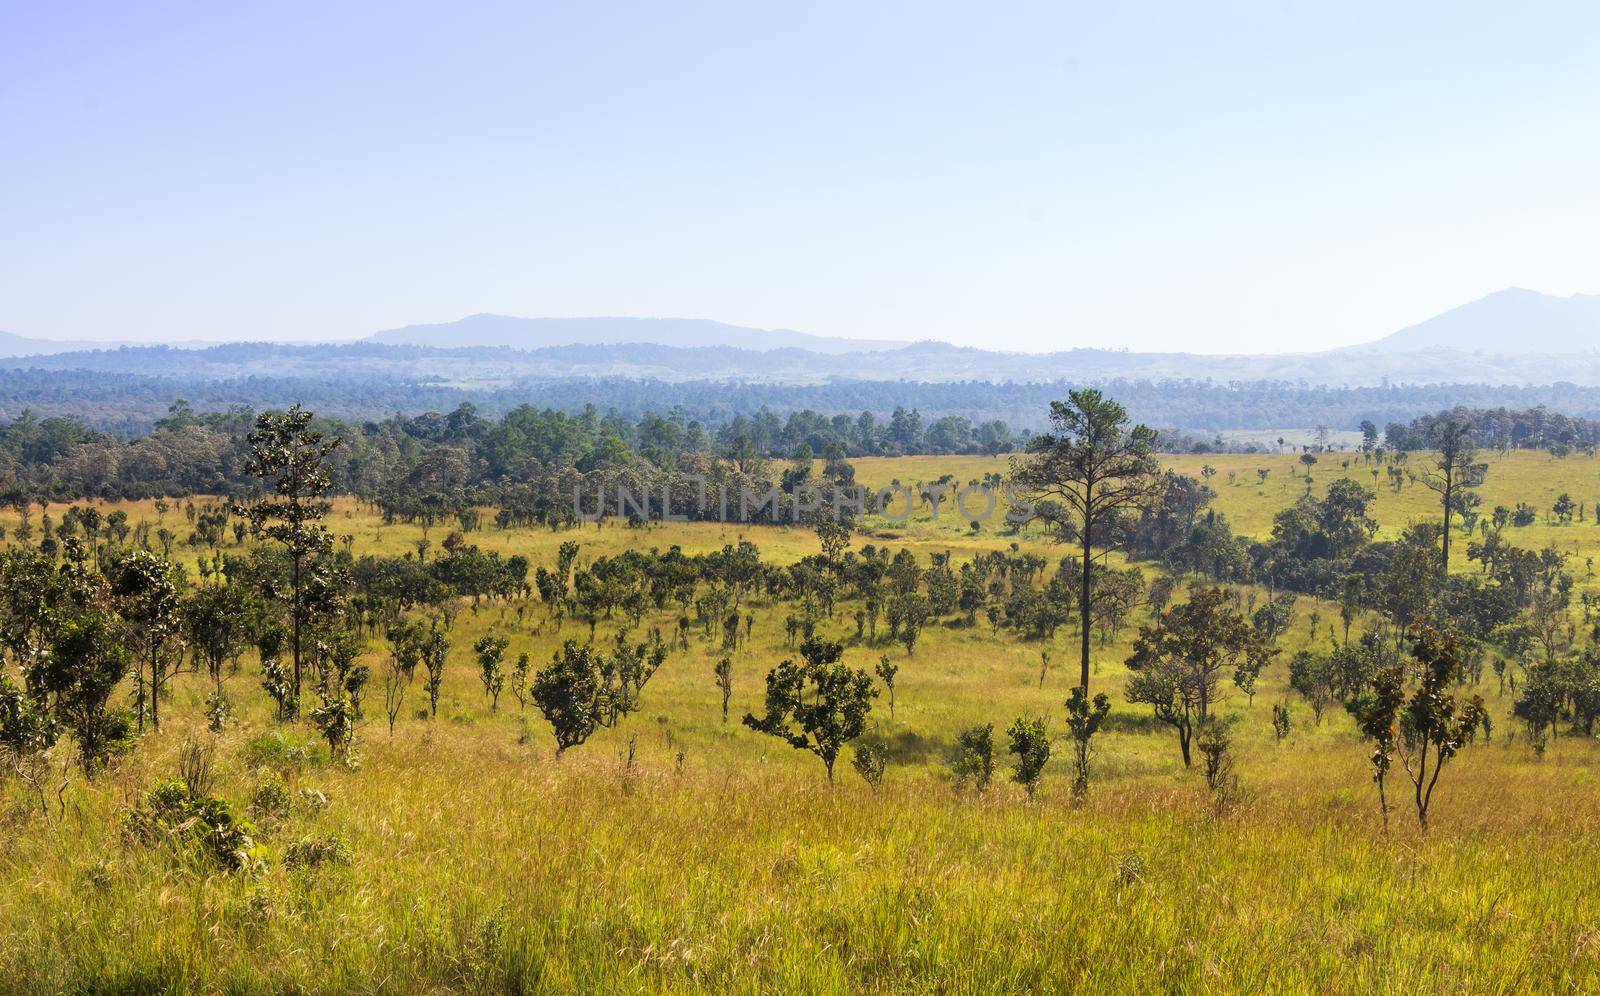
(723, 861)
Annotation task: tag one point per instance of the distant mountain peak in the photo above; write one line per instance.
(1513, 321)
(485, 329)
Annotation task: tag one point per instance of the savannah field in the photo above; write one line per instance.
(676, 853)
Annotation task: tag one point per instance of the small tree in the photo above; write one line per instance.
(870, 760)
(1280, 721)
(519, 680)
(491, 651)
(1178, 662)
(1313, 676)
(434, 651)
(1376, 714)
(291, 457)
(724, 674)
(1084, 720)
(27, 732)
(1432, 725)
(395, 683)
(886, 672)
(973, 764)
(1031, 744)
(583, 689)
(1216, 748)
(819, 704)
(217, 620)
(145, 586)
(87, 660)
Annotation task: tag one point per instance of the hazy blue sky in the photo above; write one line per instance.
(1254, 177)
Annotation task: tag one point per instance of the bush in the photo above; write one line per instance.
(973, 764)
(313, 852)
(271, 801)
(202, 828)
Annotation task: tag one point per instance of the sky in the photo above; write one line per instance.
(1208, 177)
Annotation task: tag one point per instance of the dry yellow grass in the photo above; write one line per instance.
(722, 861)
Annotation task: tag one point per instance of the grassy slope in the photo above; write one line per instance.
(723, 861)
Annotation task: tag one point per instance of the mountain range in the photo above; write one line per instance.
(1514, 336)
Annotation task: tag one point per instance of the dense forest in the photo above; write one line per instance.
(476, 459)
(129, 401)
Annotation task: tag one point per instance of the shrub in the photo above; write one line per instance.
(202, 828)
(1031, 744)
(973, 764)
(271, 801)
(316, 851)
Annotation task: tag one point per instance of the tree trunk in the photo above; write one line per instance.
(1444, 565)
(1083, 606)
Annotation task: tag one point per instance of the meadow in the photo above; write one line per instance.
(676, 853)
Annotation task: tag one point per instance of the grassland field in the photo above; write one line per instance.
(722, 861)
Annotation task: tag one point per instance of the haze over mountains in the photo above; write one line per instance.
(538, 333)
(1514, 336)
(1512, 321)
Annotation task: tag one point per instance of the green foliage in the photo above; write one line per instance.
(1178, 661)
(202, 829)
(870, 760)
(490, 651)
(973, 764)
(86, 661)
(1084, 720)
(1030, 742)
(284, 751)
(583, 689)
(819, 704)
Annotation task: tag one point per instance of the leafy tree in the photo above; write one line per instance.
(85, 663)
(1088, 471)
(819, 704)
(1031, 744)
(145, 586)
(583, 689)
(435, 651)
(519, 679)
(1426, 726)
(1280, 721)
(1377, 714)
(973, 764)
(27, 732)
(1178, 662)
(491, 651)
(1313, 676)
(217, 620)
(293, 457)
(1216, 750)
(1084, 720)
